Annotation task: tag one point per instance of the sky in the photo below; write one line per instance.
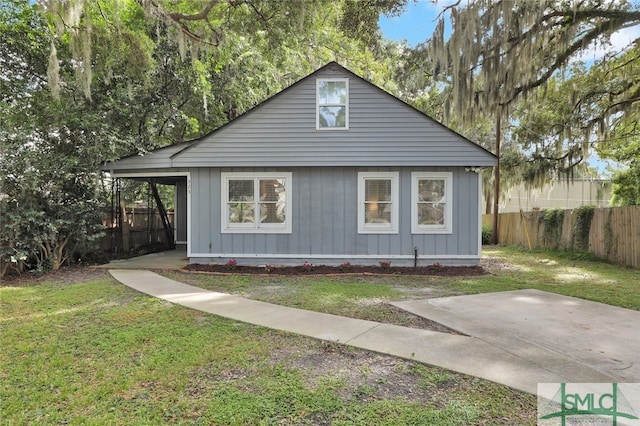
(415, 25)
(418, 21)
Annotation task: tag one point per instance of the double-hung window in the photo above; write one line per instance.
(431, 209)
(256, 202)
(332, 104)
(378, 202)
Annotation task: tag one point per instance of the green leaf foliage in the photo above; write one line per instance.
(552, 220)
(626, 186)
(581, 227)
(88, 82)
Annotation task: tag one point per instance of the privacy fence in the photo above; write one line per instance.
(135, 231)
(612, 233)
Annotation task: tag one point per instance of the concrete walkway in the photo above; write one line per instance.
(168, 259)
(520, 367)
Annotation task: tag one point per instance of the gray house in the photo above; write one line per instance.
(330, 170)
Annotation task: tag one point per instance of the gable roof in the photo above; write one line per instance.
(281, 131)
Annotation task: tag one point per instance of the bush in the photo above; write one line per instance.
(487, 234)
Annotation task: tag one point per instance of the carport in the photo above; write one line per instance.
(155, 169)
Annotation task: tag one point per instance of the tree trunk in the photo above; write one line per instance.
(488, 202)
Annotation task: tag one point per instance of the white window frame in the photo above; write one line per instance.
(318, 105)
(255, 228)
(377, 228)
(447, 227)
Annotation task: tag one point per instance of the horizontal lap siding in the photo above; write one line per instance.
(382, 131)
(325, 217)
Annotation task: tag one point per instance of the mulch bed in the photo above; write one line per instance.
(434, 270)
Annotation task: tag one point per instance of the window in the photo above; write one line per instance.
(256, 203)
(431, 203)
(332, 97)
(378, 202)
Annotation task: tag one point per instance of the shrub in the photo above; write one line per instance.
(487, 234)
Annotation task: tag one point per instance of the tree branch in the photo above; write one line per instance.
(202, 15)
(561, 59)
(177, 18)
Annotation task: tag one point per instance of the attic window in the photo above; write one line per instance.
(332, 104)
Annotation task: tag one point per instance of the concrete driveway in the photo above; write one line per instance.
(553, 332)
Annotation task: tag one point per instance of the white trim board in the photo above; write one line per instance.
(335, 256)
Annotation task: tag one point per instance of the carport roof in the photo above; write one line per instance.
(156, 159)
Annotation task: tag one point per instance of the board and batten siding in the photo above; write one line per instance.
(324, 221)
(383, 131)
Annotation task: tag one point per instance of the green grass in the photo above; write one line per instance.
(572, 274)
(366, 297)
(94, 352)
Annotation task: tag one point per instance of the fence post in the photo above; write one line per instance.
(126, 240)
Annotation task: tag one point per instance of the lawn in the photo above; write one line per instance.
(367, 297)
(83, 349)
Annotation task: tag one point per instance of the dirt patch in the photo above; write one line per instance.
(362, 375)
(64, 275)
(432, 270)
(356, 374)
(497, 264)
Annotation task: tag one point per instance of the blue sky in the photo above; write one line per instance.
(415, 25)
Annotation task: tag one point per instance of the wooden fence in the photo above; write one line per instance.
(614, 233)
(141, 228)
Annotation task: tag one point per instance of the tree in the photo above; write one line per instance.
(626, 186)
(558, 134)
(292, 38)
(504, 52)
(87, 82)
(54, 141)
(551, 134)
(50, 211)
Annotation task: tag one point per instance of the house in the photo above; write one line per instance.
(331, 169)
(557, 194)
